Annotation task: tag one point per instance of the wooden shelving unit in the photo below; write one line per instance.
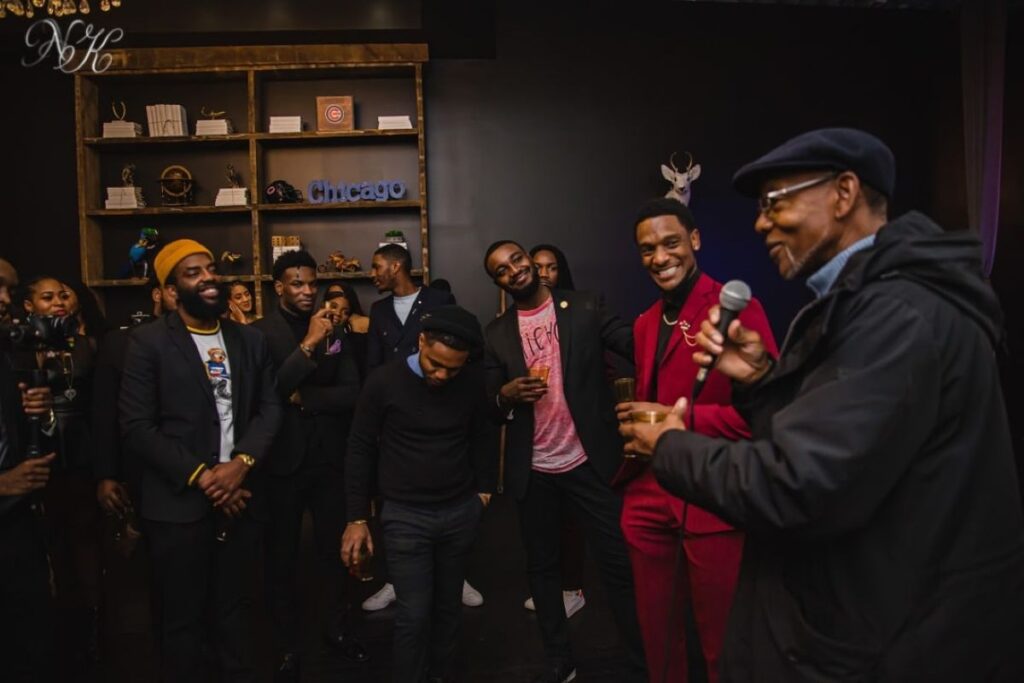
(251, 84)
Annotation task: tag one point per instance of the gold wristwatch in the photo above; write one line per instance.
(246, 458)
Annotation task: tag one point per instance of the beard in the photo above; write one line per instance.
(198, 307)
(527, 291)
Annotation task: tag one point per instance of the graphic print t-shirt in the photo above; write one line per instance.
(556, 446)
(214, 355)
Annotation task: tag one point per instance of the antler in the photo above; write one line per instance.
(672, 162)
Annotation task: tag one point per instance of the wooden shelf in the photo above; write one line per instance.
(239, 140)
(169, 211)
(342, 206)
(139, 282)
(308, 137)
(125, 282)
(251, 83)
(361, 275)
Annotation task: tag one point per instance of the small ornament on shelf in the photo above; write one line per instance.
(394, 237)
(279, 244)
(214, 123)
(141, 253)
(176, 186)
(128, 196)
(119, 127)
(236, 194)
(334, 114)
(337, 263)
(232, 261)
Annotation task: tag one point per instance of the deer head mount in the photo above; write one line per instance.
(680, 180)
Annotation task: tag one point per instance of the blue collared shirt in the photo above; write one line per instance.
(825, 277)
(414, 363)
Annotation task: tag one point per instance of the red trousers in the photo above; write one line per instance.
(651, 522)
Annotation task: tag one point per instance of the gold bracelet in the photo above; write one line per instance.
(196, 473)
(246, 458)
(358, 521)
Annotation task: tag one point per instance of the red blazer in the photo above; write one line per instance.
(713, 412)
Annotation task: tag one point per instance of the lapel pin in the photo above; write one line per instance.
(564, 304)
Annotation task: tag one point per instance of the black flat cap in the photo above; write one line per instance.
(456, 321)
(837, 149)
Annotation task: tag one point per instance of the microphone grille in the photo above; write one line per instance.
(735, 295)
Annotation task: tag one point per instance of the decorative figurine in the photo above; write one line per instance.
(119, 115)
(128, 175)
(139, 256)
(211, 114)
(176, 186)
(234, 177)
(680, 180)
(232, 261)
(337, 263)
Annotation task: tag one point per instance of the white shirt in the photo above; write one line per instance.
(213, 353)
(403, 305)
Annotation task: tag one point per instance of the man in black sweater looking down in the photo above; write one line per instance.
(421, 423)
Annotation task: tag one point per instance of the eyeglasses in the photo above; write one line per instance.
(766, 202)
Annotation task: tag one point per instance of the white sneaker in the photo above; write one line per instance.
(470, 596)
(573, 600)
(381, 599)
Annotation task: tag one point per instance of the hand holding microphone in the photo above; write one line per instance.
(729, 347)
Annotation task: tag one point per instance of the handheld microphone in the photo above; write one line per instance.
(733, 299)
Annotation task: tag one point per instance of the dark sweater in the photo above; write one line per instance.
(430, 445)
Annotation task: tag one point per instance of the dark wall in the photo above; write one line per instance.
(559, 136)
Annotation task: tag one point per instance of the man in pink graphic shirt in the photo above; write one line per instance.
(546, 379)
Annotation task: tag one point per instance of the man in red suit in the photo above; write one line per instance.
(653, 521)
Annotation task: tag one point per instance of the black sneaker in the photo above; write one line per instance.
(562, 673)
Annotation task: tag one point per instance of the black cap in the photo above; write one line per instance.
(837, 149)
(456, 321)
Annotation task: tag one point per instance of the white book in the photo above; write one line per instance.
(149, 120)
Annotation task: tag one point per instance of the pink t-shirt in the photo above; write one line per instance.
(556, 446)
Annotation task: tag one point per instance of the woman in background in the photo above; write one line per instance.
(347, 313)
(71, 513)
(240, 304)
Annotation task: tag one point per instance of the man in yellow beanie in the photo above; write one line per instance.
(199, 412)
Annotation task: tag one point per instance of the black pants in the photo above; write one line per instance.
(320, 488)
(597, 508)
(427, 551)
(201, 578)
(26, 624)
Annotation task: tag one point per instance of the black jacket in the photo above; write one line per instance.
(885, 539)
(328, 385)
(585, 331)
(15, 427)
(169, 419)
(106, 430)
(388, 338)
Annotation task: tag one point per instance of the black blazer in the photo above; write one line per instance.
(169, 420)
(328, 385)
(585, 330)
(388, 338)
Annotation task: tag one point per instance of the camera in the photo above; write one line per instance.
(39, 333)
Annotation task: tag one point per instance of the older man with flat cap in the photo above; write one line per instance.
(421, 423)
(199, 411)
(885, 539)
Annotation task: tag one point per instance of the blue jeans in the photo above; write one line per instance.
(427, 548)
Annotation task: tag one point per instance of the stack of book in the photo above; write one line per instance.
(285, 124)
(124, 198)
(121, 129)
(167, 120)
(280, 244)
(232, 196)
(394, 123)
(214, 127)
